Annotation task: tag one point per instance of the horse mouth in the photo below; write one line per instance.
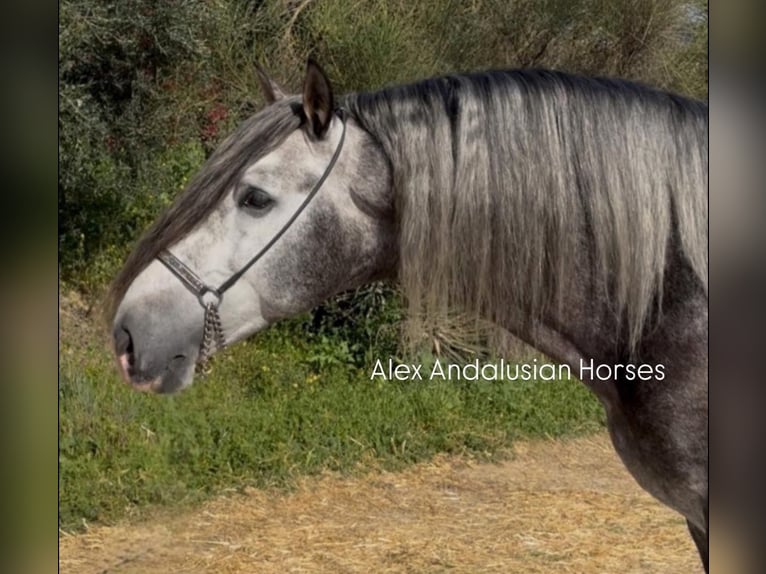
(167, 382)
(152, 386)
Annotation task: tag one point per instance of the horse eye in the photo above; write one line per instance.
(256, 198)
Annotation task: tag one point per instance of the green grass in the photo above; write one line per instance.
(268, 414)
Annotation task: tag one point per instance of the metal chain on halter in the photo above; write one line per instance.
(212, 335)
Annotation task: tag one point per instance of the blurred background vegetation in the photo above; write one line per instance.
(147, 90)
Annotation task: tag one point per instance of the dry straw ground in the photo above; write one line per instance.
(563, 506)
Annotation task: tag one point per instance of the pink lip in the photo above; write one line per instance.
(147, 387)
(123, 361)
(144, 386)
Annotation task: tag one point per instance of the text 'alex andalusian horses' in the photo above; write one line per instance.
(569, 211)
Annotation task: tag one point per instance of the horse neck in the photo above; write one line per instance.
(585, 328)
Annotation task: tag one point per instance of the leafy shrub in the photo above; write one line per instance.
(148, 89)
(356, 327)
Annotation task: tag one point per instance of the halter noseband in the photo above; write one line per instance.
(210, 297)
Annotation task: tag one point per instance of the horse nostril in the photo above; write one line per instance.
(123, 347)
(129, 349)
(123, 343)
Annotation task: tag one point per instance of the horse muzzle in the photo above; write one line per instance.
(150, 362)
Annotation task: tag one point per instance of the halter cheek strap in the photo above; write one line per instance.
(209, 297)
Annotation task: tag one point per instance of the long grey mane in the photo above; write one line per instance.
(496, 174)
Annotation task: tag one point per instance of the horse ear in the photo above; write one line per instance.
(318, 103)
(271, 90)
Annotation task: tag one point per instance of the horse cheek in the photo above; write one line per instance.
(315, 264)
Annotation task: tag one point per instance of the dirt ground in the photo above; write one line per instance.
(557, 506)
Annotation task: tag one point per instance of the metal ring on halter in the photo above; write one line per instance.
(217, 297)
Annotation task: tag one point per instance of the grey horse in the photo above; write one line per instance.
(569, 211)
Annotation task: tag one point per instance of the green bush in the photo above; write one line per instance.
(144, 83)
(148, 89)
(356, 326)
